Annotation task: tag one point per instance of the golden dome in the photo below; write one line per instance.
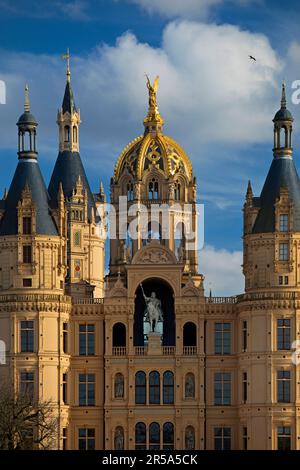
(153, 149)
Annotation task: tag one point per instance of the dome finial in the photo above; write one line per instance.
(26, 103)
(283, 96)
(67, 58)
(153, 117)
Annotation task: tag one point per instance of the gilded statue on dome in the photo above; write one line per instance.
(152, 94)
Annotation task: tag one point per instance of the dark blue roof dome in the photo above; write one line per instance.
(27, 118)
(283, 115)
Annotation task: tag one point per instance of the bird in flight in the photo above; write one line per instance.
(252, 58)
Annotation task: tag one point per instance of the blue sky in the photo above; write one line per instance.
(217, 103)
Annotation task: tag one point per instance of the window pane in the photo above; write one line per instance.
(154, 388)
(154, 436)
(140, 388)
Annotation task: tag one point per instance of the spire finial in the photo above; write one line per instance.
(26, 103)
(153, 116)
(67, 58)
(283, 96)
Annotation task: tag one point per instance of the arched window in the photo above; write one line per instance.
(190, 438)
(67, 134)
(140, 388)
(154, 436)
(189, 334)
(119, 335)
(168, 388)
(119, 386)
(179, 240)
(168, 436)
(177, 191)
(154, 388)
(27, 141)
(119, 438)
(153, 232)
(75, 134)
(140, 436)
(189, 386)
(153, 189)
(130, 192)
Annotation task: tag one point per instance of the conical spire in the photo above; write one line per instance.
(249, 193)
(153, 121)
(68, 100)
(283, 96)
(26, 102)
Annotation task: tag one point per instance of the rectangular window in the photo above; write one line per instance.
(283, 222)
(64, 438)
(283, 334)
(65, 388)
(284, 438)
(27, 282)
(283, 386)
(65, 338)
(86, 389)
(26, 225)
(86, 439)
(222, 338)
(222, 437)
(280, 280)
(222, 387)
(283, 252)
(86, 340)
(245, 438)
(27, 254)
(245, 387)
(286, 280)
(27, 336)
(27, 384)
(245, 336)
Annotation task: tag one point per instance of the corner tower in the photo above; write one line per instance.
(85, 247)
(33, 307)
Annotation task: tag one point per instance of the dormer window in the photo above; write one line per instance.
(177, 191)
(283, 223)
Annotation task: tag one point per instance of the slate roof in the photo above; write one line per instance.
(282, 173)
(28, 172)
(67, 168)
(68, 104)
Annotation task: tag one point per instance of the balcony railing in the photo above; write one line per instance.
(119, 351)
(88, 301)
(189, 350)
(168, 350)
(140, 350)
(221, 300)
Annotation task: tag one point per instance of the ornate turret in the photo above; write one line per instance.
(283, 127)
(27, 177)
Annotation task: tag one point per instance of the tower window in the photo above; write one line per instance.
(283, 386)
(64, 386)
(283, 251)
(153, 189)
(283, 334)
(27, 282)
(284, 438)
(245, 335)
(75, 134)
(283, 222)
(64, 438)
(77, 238)
(27, 336)
(177, 191)
(27, 384)
(26, 225)
(130, 192)
(245, 387)
(65, 338)
(27, 254)
(245, 438)
(67, 134)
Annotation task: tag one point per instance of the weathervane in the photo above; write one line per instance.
(67, 58)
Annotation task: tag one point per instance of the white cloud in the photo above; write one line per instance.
(222, 271)
(210, 94)
(183, 8)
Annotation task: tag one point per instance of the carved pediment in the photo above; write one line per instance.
(118, 290)
(190, 290)
(154, 253)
